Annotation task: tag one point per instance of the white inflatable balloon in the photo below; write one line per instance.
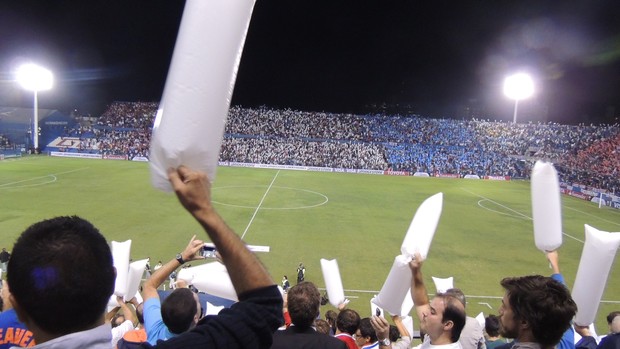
(422, 228)
(189, 125)
(443, 284)
(396, 286)
(481, 319)
(546, 207)
(120, 254)
(211, 278)
(405, 309)
(134, 278)
(213, 309)
(333, 281)
(597, 258)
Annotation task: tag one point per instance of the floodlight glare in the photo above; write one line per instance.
(35, 78)
(518, 86)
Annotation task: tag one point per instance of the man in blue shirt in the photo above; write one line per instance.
(180, 311)
(12, 331)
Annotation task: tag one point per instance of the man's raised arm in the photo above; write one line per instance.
(194, 192)
(418, 290)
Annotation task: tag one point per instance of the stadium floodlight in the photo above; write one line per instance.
(518, 86)
(35, 78)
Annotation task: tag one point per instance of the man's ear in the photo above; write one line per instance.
(448, 325)
(21, 315)
(524, 325)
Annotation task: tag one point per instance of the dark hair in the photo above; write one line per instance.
(454, 311)
(331, 317)
(491, 325)
(62, 266)
(612, 316)
(303, 304)
(544, 303)
(178, 310)
(367, 330)
(348, 321)
(394, 333)
(322, 326)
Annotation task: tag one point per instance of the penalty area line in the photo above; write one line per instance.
(510, 209)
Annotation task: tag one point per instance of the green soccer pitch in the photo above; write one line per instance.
(485, 232)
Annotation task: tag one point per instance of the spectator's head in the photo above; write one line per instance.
(445, 319)
(458, 294)
(535, 309)
(322, 326)
(613, 320)
(180, 310)
(330, 317)
(394, 333)
(51, 273)
(303, 304)
(491, 326)
(348, 321)
(365, 333)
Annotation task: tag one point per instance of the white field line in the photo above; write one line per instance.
(35, 178)
(260, 204)
(510, 209)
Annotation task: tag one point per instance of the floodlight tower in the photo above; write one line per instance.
(35, 78)
(518, 86)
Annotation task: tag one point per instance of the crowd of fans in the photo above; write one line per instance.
(292, 151)
(4, 141)
(586, 154)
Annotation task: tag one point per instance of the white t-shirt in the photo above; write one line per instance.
(426, 344)
(119, 331)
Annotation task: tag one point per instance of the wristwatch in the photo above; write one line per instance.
(180, 259)
(386, 342)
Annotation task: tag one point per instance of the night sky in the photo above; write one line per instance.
(331, 55)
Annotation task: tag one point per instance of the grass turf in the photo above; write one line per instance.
(484, 234)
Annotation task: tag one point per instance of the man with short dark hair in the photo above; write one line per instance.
(180, 311)
(442, 319)
(51, 274)
(303, 307)
(366, 337)
(491, 328)
(472, 336)
(347, 323)
(62, 302)
(535, 310)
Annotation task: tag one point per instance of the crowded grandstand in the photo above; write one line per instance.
(408, 144)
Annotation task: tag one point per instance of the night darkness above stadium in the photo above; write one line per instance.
(433, 58)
